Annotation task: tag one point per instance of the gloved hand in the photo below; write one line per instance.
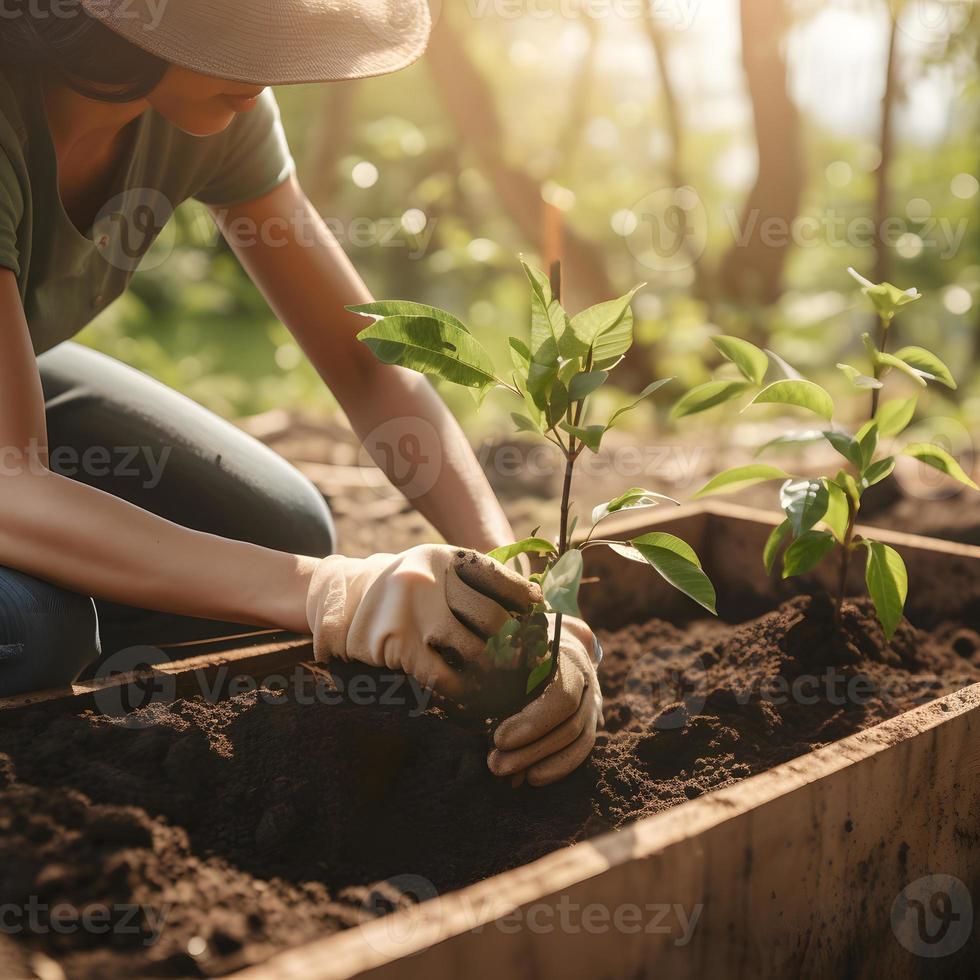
(414, 611)
(554, 734)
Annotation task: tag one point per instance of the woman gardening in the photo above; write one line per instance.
(111, 114)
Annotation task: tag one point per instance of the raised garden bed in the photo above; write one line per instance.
(260, 823)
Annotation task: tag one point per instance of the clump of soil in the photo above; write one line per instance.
(242, 827)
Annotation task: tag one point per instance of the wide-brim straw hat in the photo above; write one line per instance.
(273, 42)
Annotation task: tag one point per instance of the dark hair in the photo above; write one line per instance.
(68, 42)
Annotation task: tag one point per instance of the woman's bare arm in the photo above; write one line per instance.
(308, 280)
(90, 542)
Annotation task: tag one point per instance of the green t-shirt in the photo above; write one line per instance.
(67, 278)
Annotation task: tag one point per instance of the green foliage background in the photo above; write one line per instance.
(196, 322)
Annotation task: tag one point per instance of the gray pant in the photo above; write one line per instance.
(122, 432)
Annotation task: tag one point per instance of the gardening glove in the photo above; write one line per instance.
(425, 611)
(554, 734)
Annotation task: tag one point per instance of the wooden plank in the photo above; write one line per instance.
(792, 872)
(190, 674)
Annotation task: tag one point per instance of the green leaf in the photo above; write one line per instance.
(647, 391)
(502, 649)
(773, 543)
(548, 319)
(801, 437)
(707, 395)
(858, 379)
(894, 415)
(891, 361)
(591, 435)
(431, 347)
(848, 484)
(557, 403)
(939, 459)
(400, 307)
(542, 373)
(838, 514)
(604, 319)
(740, 477)
(526, 546)
(562, 581)
(539, 675)
(584, 383)
(887, 299)
(677, 563)
(805, 502)
(846, 445)
(633, 498)
(806, 552)
(609, 347)
(520, 356)
(867, 439)
(804, 394)
(877, 471)
(789, 372)
(752, 362)
(926, 362)
(524, 424)
(888, 584)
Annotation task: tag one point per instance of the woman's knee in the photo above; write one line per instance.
(48, 635)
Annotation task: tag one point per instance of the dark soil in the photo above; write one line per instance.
(259, 822)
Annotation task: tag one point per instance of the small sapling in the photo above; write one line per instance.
(554, 373)
(821, 511)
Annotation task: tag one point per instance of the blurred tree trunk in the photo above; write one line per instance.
(470, 104)
(675, 129)
(571, 137)
(331, 139)
(886, 149)
(752, 269)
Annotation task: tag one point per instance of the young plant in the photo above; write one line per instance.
(821, 512)
(554, 372)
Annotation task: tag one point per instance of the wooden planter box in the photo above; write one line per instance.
(799, 871)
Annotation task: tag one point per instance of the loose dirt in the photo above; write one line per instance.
(218, 833)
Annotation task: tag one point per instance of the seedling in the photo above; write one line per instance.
(821, 512)
(555, 373)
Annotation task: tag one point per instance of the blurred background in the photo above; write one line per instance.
(735, 155)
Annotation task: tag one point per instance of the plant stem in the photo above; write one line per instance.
(845, 560)
(882, 341)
